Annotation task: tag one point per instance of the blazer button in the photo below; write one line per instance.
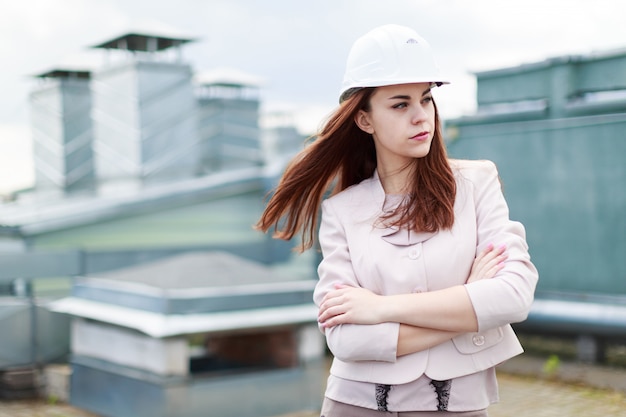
(478, 340)
(414, 253)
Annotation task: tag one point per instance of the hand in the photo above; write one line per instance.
(352, 305)
(488, 263)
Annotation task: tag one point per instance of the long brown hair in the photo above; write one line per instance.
(343, 155)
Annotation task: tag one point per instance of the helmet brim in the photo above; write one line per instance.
(347, 92)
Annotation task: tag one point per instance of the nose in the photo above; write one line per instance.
(419, 114)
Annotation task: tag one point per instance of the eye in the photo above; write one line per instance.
(401, 105)
(427, 100)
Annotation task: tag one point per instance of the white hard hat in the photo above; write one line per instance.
(388, 55)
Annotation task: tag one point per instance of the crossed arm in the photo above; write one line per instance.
(426, 319)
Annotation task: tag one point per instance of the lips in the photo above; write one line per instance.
(420, 136)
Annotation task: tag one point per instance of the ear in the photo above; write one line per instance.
(362, 120)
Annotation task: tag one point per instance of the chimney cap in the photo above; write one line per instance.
(65, 73)
(143, 41)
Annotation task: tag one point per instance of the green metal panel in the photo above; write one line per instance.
(604, 74)
(563, 169)
(510, 86)
(559, 79)
(564, 179)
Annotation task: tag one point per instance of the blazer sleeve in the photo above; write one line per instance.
(348, 342)
(507, 297)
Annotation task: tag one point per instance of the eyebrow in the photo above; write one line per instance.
(405, 97)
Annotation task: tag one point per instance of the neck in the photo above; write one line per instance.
(394, 181)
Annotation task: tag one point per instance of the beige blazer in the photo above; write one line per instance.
(358, 252)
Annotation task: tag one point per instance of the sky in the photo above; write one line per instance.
(297, 48)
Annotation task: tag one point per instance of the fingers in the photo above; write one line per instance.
(344, 305)
(332, 315)
(489, 254)
(497, 262)
(334, 294)
(488, 262)
(334, 320)
(332, 305)
(491, 268)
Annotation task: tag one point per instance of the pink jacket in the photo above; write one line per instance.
(390, 261)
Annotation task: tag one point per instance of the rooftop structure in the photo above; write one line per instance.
(228, 117)
(62, 131)
(144, 42)
(556, 131)
(141, 117)
(66, 73)
(562, 86)
(195, 334)
(145, 127)
(11, 239)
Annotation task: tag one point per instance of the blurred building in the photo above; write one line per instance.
(62, 131)
(281, 140)
(195, 333)
(557, 131)
(135, 162)
(10, 239)
(139, 133)
(228, 117)
(144, 115)
(10, 242)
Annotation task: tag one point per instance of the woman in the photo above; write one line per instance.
(422, 270)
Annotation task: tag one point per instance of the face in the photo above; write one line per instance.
(401, 119)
